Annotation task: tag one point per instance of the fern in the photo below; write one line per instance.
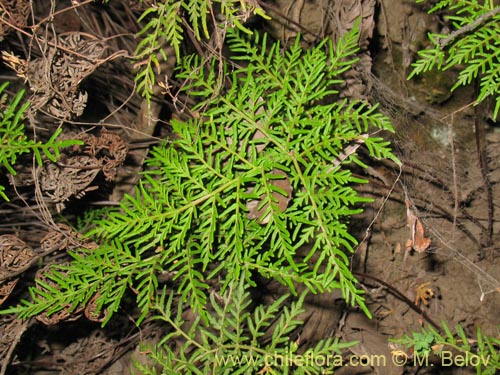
(164, 27)
(474, 44)
(209, 212)
(483, 349)
(13, 140)
(193, 203)
(229, 342)
(164, 22)
(107, 272)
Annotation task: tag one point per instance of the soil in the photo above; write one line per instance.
(447, 191)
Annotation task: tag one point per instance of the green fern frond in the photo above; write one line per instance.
(108, 271)
(475, 43)
(198, 11)
(193, 203)
(164, 27)
(229, 341)
(13, 139)
(484, 349)
(263, 172)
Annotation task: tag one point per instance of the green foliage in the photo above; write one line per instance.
(164, 27)
(194, 201)
(259, 184)
(484, 348)
(423, 342)
(13, 140)
(107, 271)
(230, 341)
(474, 46)
(164, 23)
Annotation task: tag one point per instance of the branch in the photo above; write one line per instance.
(469, 27)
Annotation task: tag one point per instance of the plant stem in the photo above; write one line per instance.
(487, 235)
(469, 27)
(396, 293)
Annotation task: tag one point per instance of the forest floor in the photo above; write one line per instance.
(448, 186)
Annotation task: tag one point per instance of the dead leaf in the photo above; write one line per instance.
(419, 242)
(14, 255)
(348, 151)
(423, 294)
(281, 200)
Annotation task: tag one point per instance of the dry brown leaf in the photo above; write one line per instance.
(419, 242)
(281, 200)
(423, 294)
(91, 311)
(14, 255)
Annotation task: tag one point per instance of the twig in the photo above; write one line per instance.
(454, 171)
(288, 19)
(487, 236)
(396, 293)
(13, 345)
(440, 184)
(62, 48)
(434, 208)
(469, 27)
